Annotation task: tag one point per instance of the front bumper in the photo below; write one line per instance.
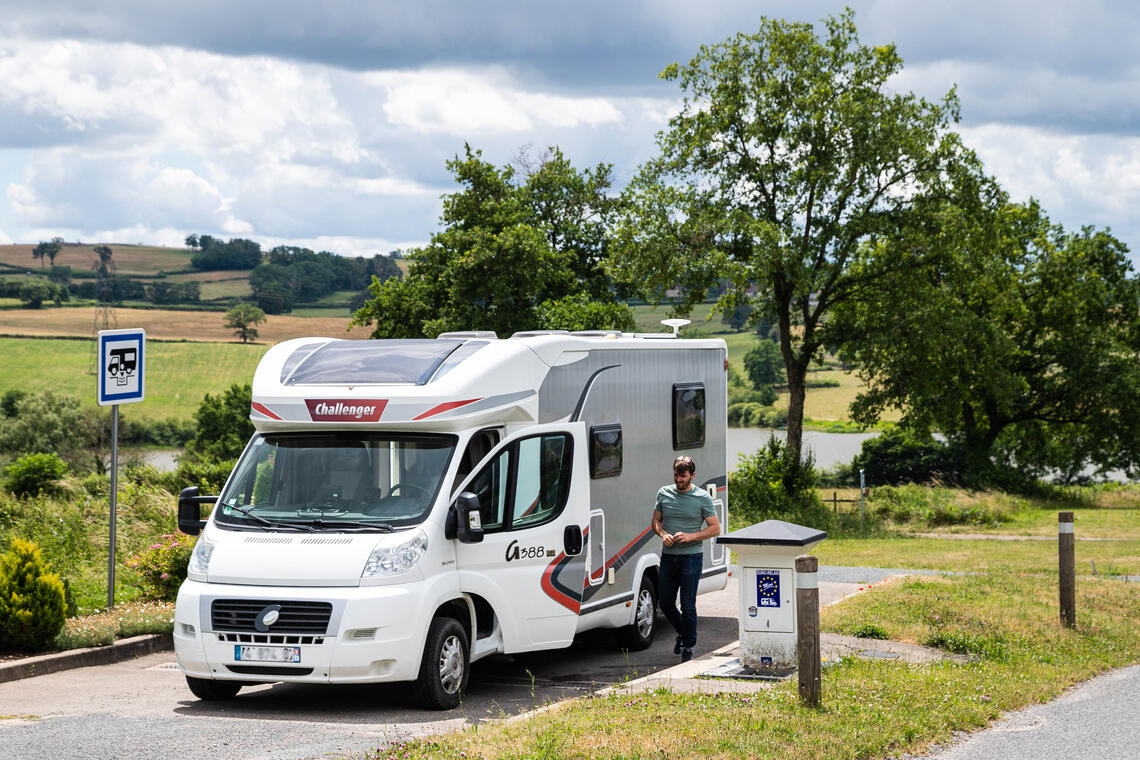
(374, 634)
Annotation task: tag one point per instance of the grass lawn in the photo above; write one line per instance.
(1003, 615)
(178, 374)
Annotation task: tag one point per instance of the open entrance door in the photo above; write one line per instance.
(533, 493)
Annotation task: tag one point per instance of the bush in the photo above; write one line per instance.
(32, 605)
(898, 456)
(32, 474)
(754, 414)
(162, 567)
(208, 476)
(768, 485)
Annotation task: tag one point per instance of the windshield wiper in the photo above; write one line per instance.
(347, 524)
(320, 524)
(268, 523)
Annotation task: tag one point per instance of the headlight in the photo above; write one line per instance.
(393, 560)
(200, 559)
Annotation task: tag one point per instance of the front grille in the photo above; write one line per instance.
(295, 617)
(263, 638)
(268, 670)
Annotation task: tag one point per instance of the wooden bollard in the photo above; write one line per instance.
(807, 627)
(1067, 565)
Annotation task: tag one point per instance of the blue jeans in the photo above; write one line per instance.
(680, 573)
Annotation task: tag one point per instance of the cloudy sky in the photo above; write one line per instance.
(327, 123)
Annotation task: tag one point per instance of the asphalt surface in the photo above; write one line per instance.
(1096, 719)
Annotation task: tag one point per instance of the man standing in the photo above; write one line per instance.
(683, 517)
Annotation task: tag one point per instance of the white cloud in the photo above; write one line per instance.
(1079, 179)
(462, 102)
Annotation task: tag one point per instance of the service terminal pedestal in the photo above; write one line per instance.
(767, 552)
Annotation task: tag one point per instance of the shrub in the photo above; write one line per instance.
(162, 567)
(35, 473)
(208, 476)
(768, 485)
(898, 456)
(32, 606)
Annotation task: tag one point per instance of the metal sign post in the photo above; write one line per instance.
(122, 380)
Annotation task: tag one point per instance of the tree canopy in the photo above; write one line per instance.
(515, 253)
(243, 319)
(1023, 344)
(790, 152)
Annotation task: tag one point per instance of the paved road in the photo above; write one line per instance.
(1096, 719)
(141, 709)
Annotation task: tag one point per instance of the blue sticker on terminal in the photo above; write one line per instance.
(767, 588)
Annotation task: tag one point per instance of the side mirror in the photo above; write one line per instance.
(190, 519)
(572, 540)
(468, 520)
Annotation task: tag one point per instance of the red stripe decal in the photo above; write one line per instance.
(444, 407)
(573, 605)
(626, 548)
(262, 409)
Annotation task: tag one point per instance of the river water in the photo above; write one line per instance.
(830, 449)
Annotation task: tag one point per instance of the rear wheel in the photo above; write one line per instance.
(639, 634)
(444, 668)
(211, 690)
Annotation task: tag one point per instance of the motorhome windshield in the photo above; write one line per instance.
(364, 481)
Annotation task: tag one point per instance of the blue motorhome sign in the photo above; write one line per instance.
(122, 360)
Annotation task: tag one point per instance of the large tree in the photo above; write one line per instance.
(515, 253)
(1023, 344)
(243, 319)
(790, 152)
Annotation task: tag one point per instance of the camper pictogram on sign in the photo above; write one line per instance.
(121, 366)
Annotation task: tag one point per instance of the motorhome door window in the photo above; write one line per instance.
(542, 481)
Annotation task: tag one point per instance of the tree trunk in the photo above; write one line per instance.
(797, 389)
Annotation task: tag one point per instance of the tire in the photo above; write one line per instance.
(445, 666)
(638, 635)
(213, 691)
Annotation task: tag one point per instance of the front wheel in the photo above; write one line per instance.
(639, 634)
(213, 691)
(444, 668)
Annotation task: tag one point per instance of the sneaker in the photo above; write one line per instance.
(677, 646)
(686, 655)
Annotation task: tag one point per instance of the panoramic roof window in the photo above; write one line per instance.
(363, 362)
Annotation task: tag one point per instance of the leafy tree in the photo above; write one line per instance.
(48, 250)
(48, 423)
(237, 253)
(192, 241)
(242, 319)
(580, 312)
(508, 247)
(791, 151)
(1023, 345)
(35, 291)
(223, 425)
(273, 297)
(765, 365)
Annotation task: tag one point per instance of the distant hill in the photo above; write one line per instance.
(131, 260)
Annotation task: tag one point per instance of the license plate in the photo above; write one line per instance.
(266, 654)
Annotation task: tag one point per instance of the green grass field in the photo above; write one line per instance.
(178, 375)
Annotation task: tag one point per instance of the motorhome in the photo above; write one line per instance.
(407, 507)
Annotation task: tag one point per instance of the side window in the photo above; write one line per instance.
(688, 415)
(542, 479)
(605, 451)
(490, 486)
(480, 445)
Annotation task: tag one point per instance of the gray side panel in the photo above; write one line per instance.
(638, 395)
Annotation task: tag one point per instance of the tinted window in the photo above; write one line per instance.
(605, 451)
(329, 477)
(688, 415)
(363, 362)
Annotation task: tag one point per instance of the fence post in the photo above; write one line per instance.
(1066, 563)
(807, 627)
(835, 502)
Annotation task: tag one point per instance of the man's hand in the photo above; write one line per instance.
(668, 539)
(681, 538)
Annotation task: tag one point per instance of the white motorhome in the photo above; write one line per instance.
(407, 507)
